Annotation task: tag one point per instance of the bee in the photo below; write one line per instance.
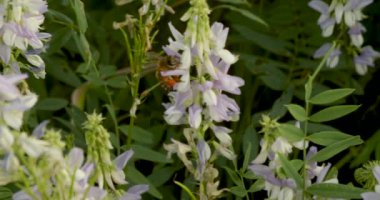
(164, 64)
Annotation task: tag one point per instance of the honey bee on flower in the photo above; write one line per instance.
(164, 65)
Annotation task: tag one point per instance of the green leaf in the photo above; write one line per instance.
(257, 186)
(297, 112)
(333, 112)
(327, 138)
(159, 176)
(291, 132)
(251, 138)
(61, 71)
(117, 82)
(247, 157)
(232, 174)
(335, 148)
(80, 14)
(59, 16)
(137, 177)
(371, 145)
(267, 42)
(330, 96)
(5, 193)
(238, 191)
(94, 79)
(237, 2)
(290, 170)
(297, 164)
(138, 134)
(278, 109)
(332, 190)
(274, 78)
(250, 175)
(145, 153)
(245, 13)
(51, 104)
(59, 39)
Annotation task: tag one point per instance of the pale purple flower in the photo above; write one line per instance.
(355, 33)
(281, 145)
(365, 59)
(73, 174)
(209, 95)
(333, 59)
(6, 139)
(222, 133)
(313, 169)
(224, 81)
(8, 86)
(22, 195)
(20, 26)
(325, 21)
(352, 11)
(204, 154)
(134, 192)
(175, 113)
(12, 112)
(181, 150)
(95, 193)
(117, 174)
(225, 151)
(81, 174)
(186, 93)
(39, 131)
(226, 109)
(195, 116)
(268, 175)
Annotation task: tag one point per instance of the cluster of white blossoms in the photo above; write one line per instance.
(273, 144)
(348, 13)
(198, 98)
(36, 162)
(13, 102)
(20, 24)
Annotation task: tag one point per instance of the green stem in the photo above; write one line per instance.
(307, 109)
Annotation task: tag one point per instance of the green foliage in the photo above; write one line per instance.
(335, 148)
(297, 112)
(333, 190)
(5, 193)
(333, 112)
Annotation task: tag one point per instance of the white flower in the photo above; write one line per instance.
(12, 112)
(222, 133)
(6, 139)
(181, 150)
(281, 145)
(32, 146)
